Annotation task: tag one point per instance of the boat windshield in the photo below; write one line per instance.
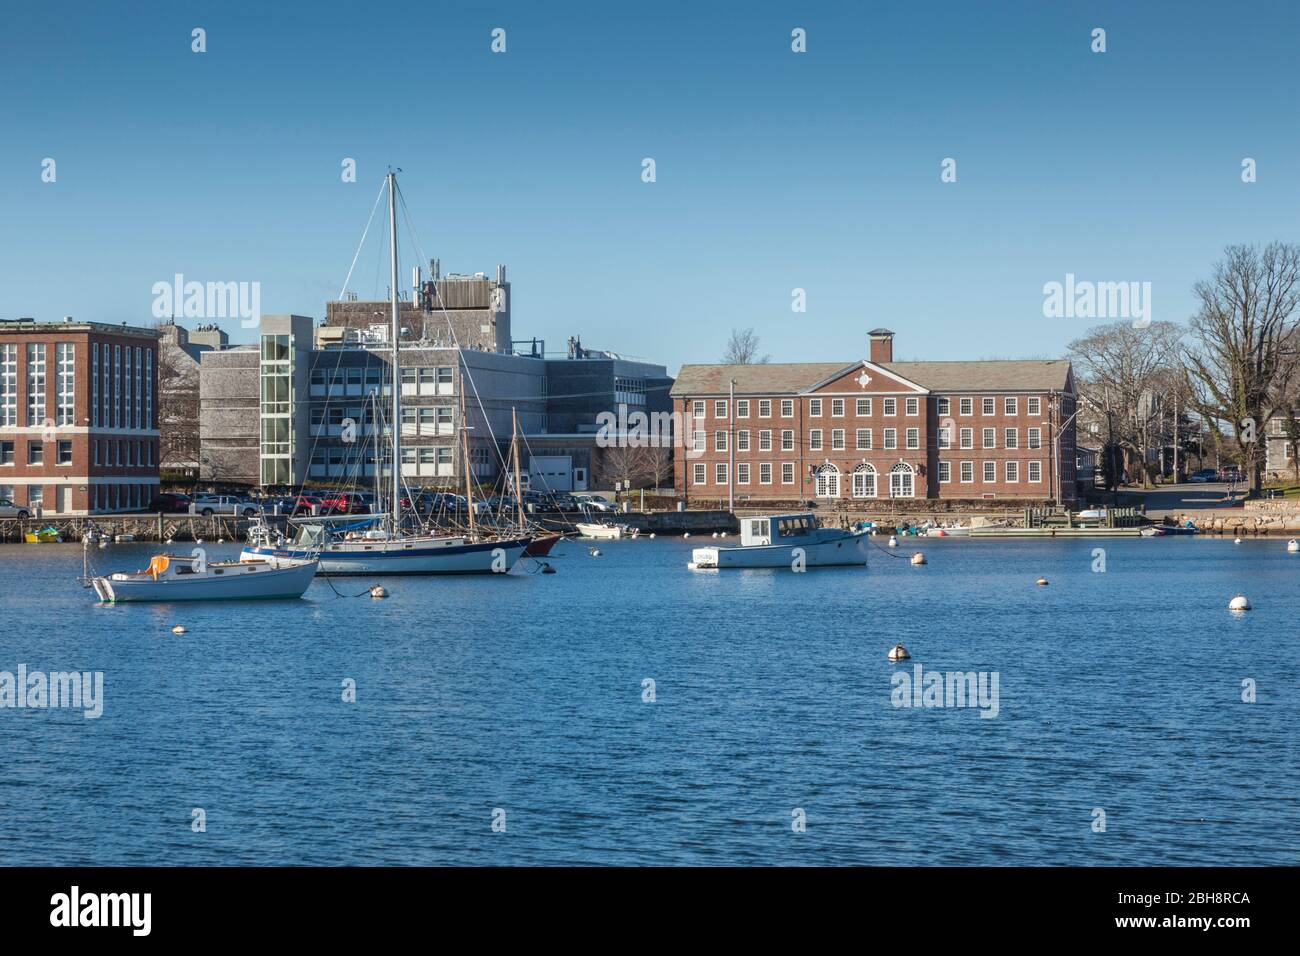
(794, 527)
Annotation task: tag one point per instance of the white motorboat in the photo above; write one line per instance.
(786, 541)
(175, 578)
(605, 530)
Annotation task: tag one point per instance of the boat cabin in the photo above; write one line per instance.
(776, 529)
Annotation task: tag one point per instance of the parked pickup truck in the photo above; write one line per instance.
(208, 505)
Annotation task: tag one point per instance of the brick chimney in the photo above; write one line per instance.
(882, 346)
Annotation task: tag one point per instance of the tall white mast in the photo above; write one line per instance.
(397, 369)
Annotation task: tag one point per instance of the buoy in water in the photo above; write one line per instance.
(723, 535)
(918, 558)
(1293, 545)
(1236, 541)
(547, 569)
(652, 535)
(898, 653)
(686, 534)
(178, 629)
(715, 534)
(378, 591)
(1042, 582)
(221, 541)
(1239, 603)
(893, 541)
(594, 552)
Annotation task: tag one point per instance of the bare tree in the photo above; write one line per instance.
(659, 466)
(742, 349)
(1126, 380)
(1242, 360)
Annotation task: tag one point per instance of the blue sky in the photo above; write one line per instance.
(775, 170)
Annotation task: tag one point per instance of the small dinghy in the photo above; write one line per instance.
(175, 578)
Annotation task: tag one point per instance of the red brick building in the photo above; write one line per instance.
(78, 416)
(876, 428)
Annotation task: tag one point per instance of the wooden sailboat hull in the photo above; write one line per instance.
(540, 547)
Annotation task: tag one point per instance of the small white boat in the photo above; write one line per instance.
(175, 578)
(786, 541)
(605, 530)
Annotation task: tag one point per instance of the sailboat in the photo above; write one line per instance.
(390, 549)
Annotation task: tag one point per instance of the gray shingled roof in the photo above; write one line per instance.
(1014, 375)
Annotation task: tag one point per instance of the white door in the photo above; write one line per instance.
(580, 479)
(65, 499)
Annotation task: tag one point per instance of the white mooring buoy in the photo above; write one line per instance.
(898, 653)
(893, 541)
(1293, 545)
(1236, 541)
(378, 591)
(1239, 603)
(918, 558)
(1041, 582)
(178, 629)
(652, 535)
(594, 552)
(686, 534)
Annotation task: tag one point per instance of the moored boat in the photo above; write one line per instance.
(787, 541)
(176, 578)
(603, 530)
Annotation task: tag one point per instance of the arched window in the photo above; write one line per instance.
(828, 481)
(864, 481)
(900, 481)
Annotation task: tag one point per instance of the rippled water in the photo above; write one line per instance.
(1119, 690)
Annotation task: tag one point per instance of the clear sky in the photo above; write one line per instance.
(775, 170)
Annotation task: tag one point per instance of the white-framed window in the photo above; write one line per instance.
(815, 439)
(697, 408)
(945, 472)
(913, 438)
(864, 481)
(720, 409)
(742, 472)
(901, 481)
(828, 481)
(891, 439)
(990, 438)
(720, 440)
(944, 406)
(1035, 471)
(787, 473)
(66, 361)
(764, 408)
(148, 390)
(988, 406)
(945, 437)
(765, 440)
(35, 384)
(787, 408)
(864, 439)
(700, 473)
(1010, 438)
(889, 406)
(742, 440)
(764, 472)
(967, 472)
(720, 473)
(1009, 406)
(1034, 438)
(787, 439)
(699, 440)
(967, 437)
(814, 408)
(864, 406)
(912, 406)
(837, 439)
(1032, 406)
(990, 472)
(9, 386)
(1012, 471)
(837, 408)
(965, 406)
(742, 408)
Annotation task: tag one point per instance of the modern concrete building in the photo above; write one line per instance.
(78, 433)
(876, 428)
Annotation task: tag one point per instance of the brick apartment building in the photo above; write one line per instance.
(877, 428)
(78, 432)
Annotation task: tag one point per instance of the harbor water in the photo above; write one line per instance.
(627, 710)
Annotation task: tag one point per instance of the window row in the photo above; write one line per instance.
(863, 407)
(1011, 472)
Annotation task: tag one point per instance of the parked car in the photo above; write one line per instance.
(1205, 474)
(345, 503)
(1230, 473)
(595, 502)
(208, 505)
(170, 502)
(10, 510)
